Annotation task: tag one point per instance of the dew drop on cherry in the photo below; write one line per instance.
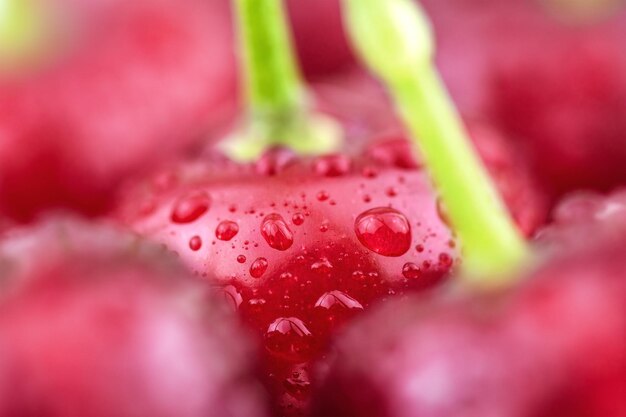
(276, 232)
(241, 259)
(332, 165)
(411, 270)
(231, 295)
(384, 230)
(226, 230)
(190, 207)
(297, 219)
(322, 196)
(258, 267)
(195, 243)
(289, 339)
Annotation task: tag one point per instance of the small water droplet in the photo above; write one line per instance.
(322, 266)
(384, 230)
(334, 299)
(289, 338)
(276, 232)
(226, 230)
(391, 192)
(411, 270)
(419, 248)
(445, 260)
(190, 207)
(241, 259)
(332, 165)
(258, 267)
(322, 196)
(370, 172)
(324, 227)
(195, 243)
(275, 161)
(367, 198)
(297, 219)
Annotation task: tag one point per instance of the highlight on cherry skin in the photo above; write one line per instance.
(281, 208)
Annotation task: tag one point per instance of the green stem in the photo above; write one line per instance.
(272, 79)
(278, 106)
(394, 39)
(22, 32)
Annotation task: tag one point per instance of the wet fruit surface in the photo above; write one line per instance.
(309, 253)
(551, 346)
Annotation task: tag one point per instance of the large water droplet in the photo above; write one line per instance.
(289, 338)
(276, 232)
(190, 207)
(384, 230)
(226, 230)
(258, 267)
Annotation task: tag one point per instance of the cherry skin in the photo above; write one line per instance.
(94, 322)
(132, 75)
(551, 346)
(306, 248)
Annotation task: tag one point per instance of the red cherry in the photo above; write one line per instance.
(94, 322)
(301, 280)
(552, 346)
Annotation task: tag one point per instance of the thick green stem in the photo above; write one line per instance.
(278, 106)
(272, 80)
(394, 39)
(22, 32)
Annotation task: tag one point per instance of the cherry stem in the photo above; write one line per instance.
(278, 103)
(22, 28)
(394, 39)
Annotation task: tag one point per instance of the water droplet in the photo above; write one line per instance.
(322, 266)
(384, 230)
(322, 196)
(394, 152)
(332, 165)
(324, 227)
(298, 219)
(358, 275)
(391, 192)
(258, 267)
(275, 161)
(367, 198)
(241, 259)
(195, 243)
(232, 297)
(445, 260)
(226, 230)
(370, 172)
(276, 232)
(289, 338)
(411, 270)
(190, 207)
(419, 248)
(337, 299)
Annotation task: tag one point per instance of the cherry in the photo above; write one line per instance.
(95, 322)
(135, 74)
(552, 346)
(303, 251)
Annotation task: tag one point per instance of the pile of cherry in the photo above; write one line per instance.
(143, 273)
